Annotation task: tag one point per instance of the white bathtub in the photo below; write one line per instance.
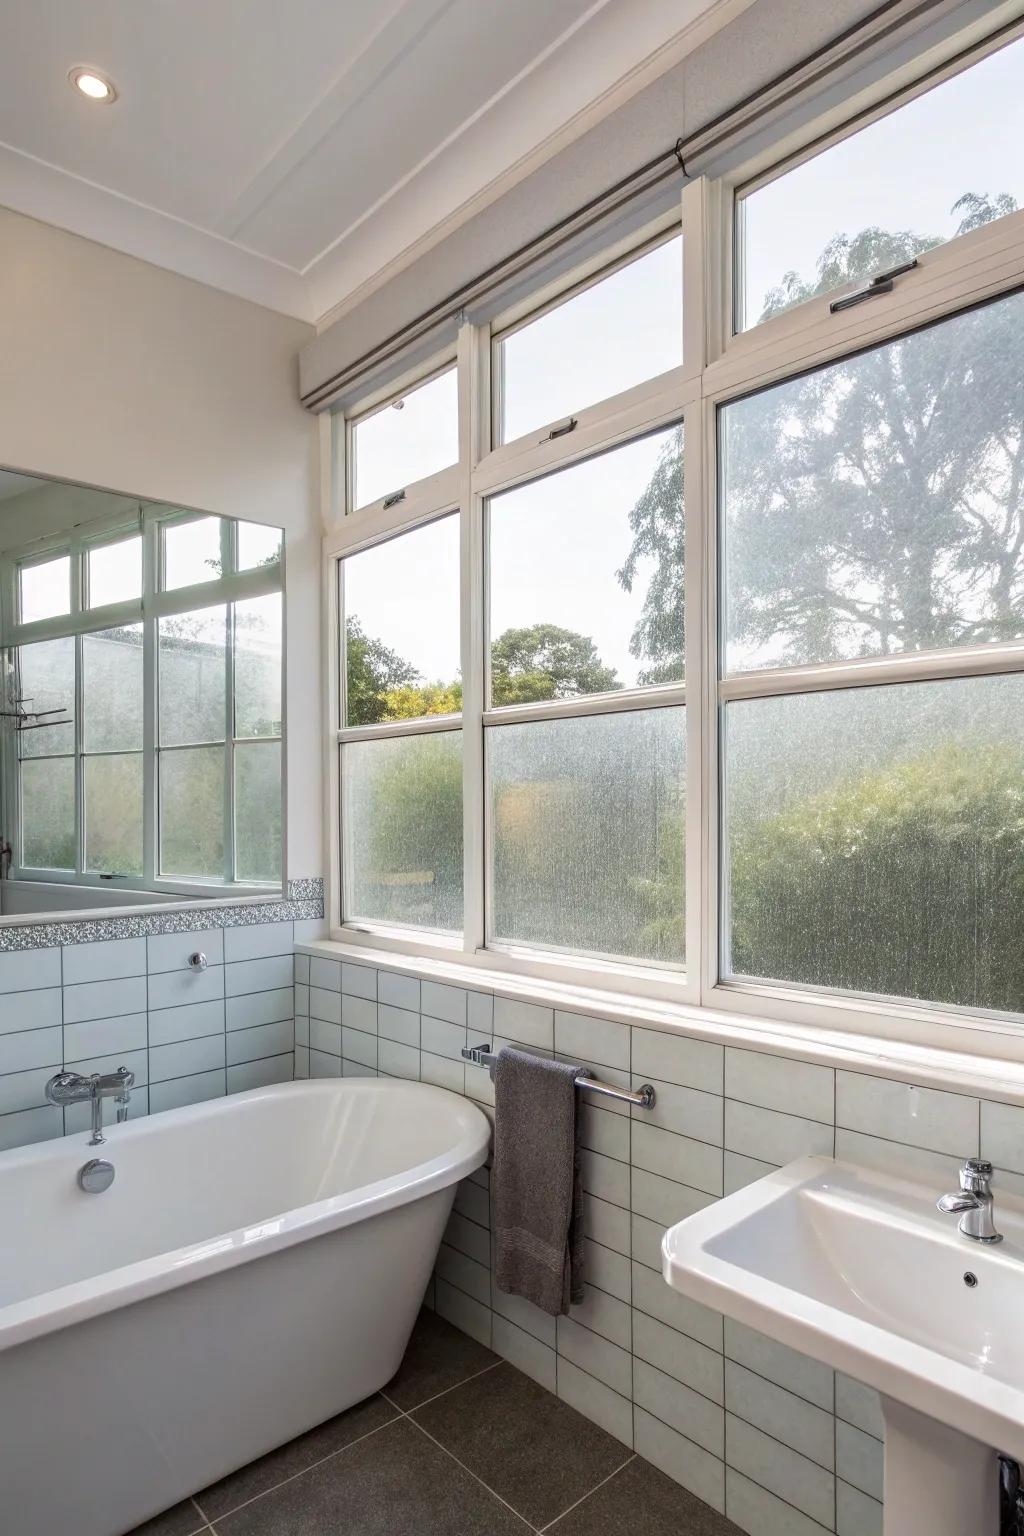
(256, 1267)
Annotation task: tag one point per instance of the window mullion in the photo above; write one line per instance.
(79, 762)
(474, 434)
(150, 689)
(229, 745)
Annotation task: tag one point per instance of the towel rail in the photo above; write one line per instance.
(643, 1097)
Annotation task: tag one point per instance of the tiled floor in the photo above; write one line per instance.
(460, 1443)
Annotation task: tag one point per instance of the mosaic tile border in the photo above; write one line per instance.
(304, 901)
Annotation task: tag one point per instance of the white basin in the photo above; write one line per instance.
(860, 1270)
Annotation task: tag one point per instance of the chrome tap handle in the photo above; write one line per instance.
(976, 1176)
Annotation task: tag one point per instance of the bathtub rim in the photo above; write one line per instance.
(53, 1310)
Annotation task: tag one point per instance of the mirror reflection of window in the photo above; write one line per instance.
(113, 614)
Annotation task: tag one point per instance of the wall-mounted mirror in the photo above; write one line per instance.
(141, 714)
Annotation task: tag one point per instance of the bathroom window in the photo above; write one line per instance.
(400, 745)
(408, 438)
(740, 625)
(619, 330)
(148, 750)
(587, 810)
(871, 515)
(939, 165)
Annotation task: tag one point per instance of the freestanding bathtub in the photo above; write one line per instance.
(256, 1267)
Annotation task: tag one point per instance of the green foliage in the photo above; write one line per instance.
(906, 881)
(372, 671)
(546, 662)
(658, 525)
(428, 699)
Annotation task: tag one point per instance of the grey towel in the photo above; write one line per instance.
(538, 1199)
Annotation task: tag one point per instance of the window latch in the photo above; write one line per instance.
(882, 282)
(393, 499)
(562, 431)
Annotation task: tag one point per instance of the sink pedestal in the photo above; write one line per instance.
(938, 1482)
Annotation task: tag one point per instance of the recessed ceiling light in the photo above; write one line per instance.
(92, 84)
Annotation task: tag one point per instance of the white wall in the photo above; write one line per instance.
(133, 379)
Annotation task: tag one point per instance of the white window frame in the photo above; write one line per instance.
(233, 586)
(719, 367)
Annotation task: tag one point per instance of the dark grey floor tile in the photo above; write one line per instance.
(183, 1520)
(534, 1451)
(640, 1498)
(294, 1457)
(438, 1357)
(396, 1483)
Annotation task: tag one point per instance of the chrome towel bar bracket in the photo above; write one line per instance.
(643, 1097)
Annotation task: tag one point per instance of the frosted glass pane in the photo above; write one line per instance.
(619, 332)
(192, 649)
(48, 813)
(586, 576)
(407, 439)
(258, 545)
(401, 602)
(47, 674)
(192, 812)
(873, 840)
(874, 506)
(258, 666)
(113, 813)
(112, 690)
(258, 810)
(402, 825)
(45, 589)
(943, 163)
(587, 824)
(115, 572)
(191, 552)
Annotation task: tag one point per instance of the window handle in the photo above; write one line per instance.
(882, 282)
(393, 500)
(562, 431)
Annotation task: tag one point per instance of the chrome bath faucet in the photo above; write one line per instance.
(74, 1088)
(974, 1200)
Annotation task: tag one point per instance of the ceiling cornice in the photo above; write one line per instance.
(565, 91)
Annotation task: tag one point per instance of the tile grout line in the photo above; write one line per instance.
(589, 1495)
(295, 1475)
(407, 1412)
(476, 1478)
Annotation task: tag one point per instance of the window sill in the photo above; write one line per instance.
(987, 1076)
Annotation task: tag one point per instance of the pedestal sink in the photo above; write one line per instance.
(860, 1270)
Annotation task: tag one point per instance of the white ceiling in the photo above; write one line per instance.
(285, 150)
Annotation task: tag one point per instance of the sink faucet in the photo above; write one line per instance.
(74, 1088)
(974, 1199)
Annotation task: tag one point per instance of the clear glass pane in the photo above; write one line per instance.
(113, 813)
(192, 812)
(112, 690)
(115, 572)
(258, 811)
(47, 676)
(587, 825)
(873, 840)
(619, 332)
(937, 167)
(874, 506)
(586, 576)
(407, 439)
(258, 545)
(45, 589)
(402, 626)
(258, 666)
(48, 813)
(402, 822)
(191, 552)
(193, 660)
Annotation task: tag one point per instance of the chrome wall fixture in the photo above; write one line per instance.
(643, 1097)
